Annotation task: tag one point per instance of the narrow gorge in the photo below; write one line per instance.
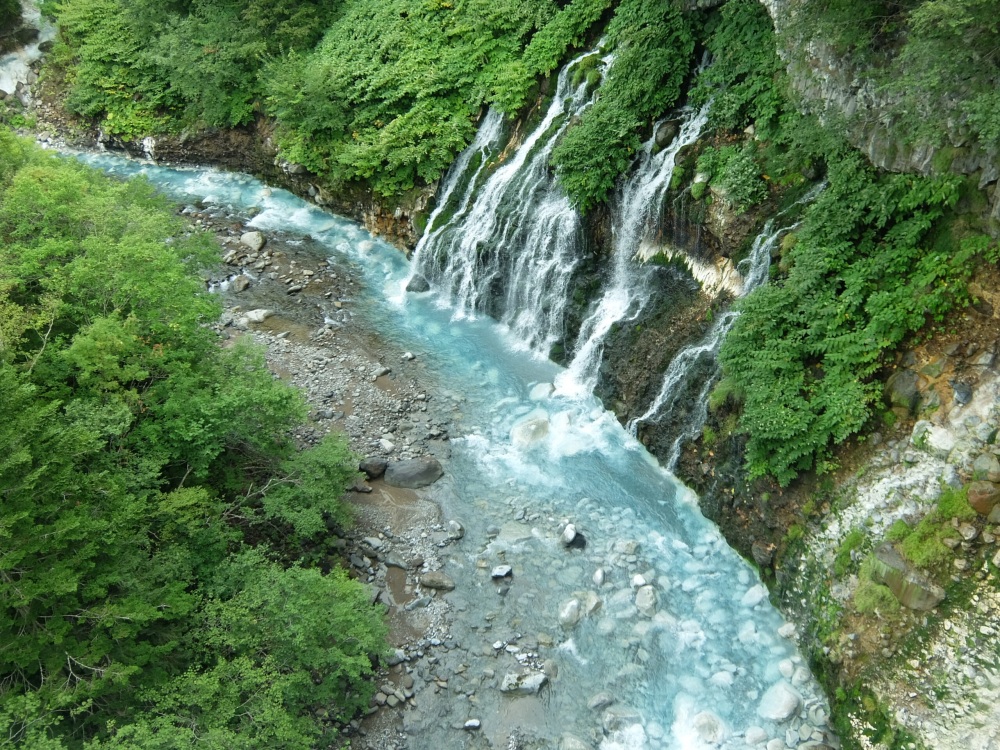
(705, 320)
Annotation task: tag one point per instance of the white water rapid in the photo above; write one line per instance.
(15, 67)
(511, 252)
(656, 621)
(636, 211)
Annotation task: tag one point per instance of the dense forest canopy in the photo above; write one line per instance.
(152, 590)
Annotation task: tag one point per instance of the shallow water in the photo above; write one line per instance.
(692, 669)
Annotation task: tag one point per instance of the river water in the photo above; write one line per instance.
(656, 610)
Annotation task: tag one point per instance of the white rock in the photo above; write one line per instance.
(501, 571)
(529, 432)
(786, 668)
(754, 596)
(569, 613)
(645, 601)
(472, 724)
(568, 534)
(525, 684)
(638, 581)
(253, 240)
(940, 441)
(709, 728)
(387, 445)
(258, 316)
(541, 392)
(780, 703)
(787, 630)
(599, 577)
(754, 735)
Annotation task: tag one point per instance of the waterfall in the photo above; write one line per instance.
(683, 374)
(512, 252)
(635, 217)
(15, 67)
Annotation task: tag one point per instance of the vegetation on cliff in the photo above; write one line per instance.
(159, 527)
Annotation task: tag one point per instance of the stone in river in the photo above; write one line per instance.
(437, 580)
(709, 727)
(529, 432)
(645, 601)
(502, 571)
(780, 703)
(523, 684)
(240, 283)
(258, 316)
(413, 473)
(569, 613)
(254, 240)
(417, 284)
(373, 466)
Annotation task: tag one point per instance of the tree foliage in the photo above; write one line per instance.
(653, 44)
(135, 612)
(866, 269)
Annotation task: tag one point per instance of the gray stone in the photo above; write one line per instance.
(258, 316)
(418, 284)
(620, 717)
(569, 613)
(901, 390)
(502, 571)
(414, 473)
(240, 283)
(962, 391)
(527, 683)
(253, 240)
(780, 703)
(666, 133)
(455, 530)
(763, 553)
(437, 580)
(709, 727)
(373, 466)
(645, 601)
(570, 742)
(913, 590)
(600, 701)
(986, 466)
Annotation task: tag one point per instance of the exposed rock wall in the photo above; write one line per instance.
(832, 86)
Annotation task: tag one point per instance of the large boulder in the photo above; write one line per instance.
(253, 240)
(413, 473)
(373, 466)
(527, 683)
(435, 579)
(912, 589)
(780, 703)
(418, 284)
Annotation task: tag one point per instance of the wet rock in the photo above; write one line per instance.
(570, 742)
(962, 392)
(472, 725)
(529, 432)
(541, 391)
(437, 580)
(455, 530)
(380, 371)
(754, 735)
(983, 496)
(570, 613)
(901, 390)
(502, 571)
(418, 284)
(619, 717)
(414, 473)
(258, 316)
(754, 596)
(568, 535)
(709, 727)
(373, 466)
(913, 590)
(253, 240)
(645, 601)
(600, 701)
(240, 283)
(598, 577)
(666, 133)
(527, 683)
(780, 703)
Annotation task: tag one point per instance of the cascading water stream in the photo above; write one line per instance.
(512, 252)
(656, 610)
(15, 67)
(636, 211)
(697, 365)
